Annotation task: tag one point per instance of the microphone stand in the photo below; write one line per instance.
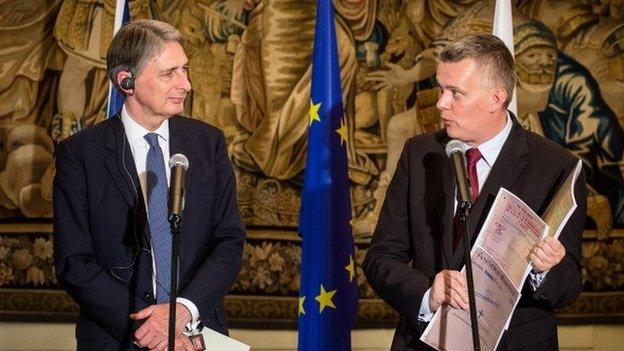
(175, 221)
(464, 208)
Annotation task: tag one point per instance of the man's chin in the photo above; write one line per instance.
(451, 131)
(176, 110)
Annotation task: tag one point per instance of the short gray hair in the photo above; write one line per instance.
(488, 51)
(135, 43)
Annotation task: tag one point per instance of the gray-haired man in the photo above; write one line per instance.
(111, 233)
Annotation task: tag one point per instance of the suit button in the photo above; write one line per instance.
(149, 294)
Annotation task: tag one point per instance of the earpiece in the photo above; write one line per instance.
(127, 83)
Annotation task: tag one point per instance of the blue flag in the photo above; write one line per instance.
(116, 98)
(329, 291)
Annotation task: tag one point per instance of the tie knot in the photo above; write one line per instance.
(152, 139)
(473, 155)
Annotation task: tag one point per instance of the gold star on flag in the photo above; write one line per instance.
(325, 299)
(301, 309)
(350, 268)
(314, 108)
(342, 131)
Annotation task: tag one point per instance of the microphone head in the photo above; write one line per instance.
(179, 160)
(454, 146)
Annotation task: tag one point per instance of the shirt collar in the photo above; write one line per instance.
(491, 148)
(136, 132)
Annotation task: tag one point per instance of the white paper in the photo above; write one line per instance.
(509, 233)
(495, 298)
(216, 341)
(563, 204)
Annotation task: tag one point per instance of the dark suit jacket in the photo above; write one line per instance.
(101, 246)
(414, 236)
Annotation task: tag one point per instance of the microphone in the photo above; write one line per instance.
(456, 151)
(178, 164)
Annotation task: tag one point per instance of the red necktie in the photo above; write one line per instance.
(473, 156)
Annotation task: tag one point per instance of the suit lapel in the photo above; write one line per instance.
(180, 143)
(448, 186)
(121, 167)
(509, 165)
(120, 163)
(445, 213)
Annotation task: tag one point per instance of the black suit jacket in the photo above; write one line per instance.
(414, 236)
(102, 249)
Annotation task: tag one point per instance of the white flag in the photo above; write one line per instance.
(115, 98)
(503, 28)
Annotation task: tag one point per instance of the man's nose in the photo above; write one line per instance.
(443, 101)
(184, 83)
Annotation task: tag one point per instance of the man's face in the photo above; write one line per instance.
(464, 100)
(162, 85)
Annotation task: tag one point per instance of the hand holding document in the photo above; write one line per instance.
(509, 233)
(496, 298)
(501, 263)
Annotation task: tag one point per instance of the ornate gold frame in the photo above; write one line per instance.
(274, 311)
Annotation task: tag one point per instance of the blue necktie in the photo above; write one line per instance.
(159, 229)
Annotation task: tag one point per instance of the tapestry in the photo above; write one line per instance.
(250, 68)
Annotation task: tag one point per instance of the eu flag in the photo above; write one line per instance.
(328, 294)
(116, 98)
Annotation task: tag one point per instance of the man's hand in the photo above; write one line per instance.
(548, 253)
(153, 334)
(450, 288)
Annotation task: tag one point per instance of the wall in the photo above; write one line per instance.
(34, 336)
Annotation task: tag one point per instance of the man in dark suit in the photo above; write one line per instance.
(110, 228)
(412, 262)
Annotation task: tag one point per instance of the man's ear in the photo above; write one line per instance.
(498, 96)
(125, 82)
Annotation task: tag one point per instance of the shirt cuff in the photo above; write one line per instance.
(537, 279)
(425, 315)
(193, 310)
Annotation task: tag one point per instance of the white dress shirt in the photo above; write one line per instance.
(139, 147)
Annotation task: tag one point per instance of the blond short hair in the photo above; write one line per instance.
(487, 51)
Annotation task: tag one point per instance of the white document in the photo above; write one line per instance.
(215, 341)
(496, 298)
(563, 204)
(509, 233)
